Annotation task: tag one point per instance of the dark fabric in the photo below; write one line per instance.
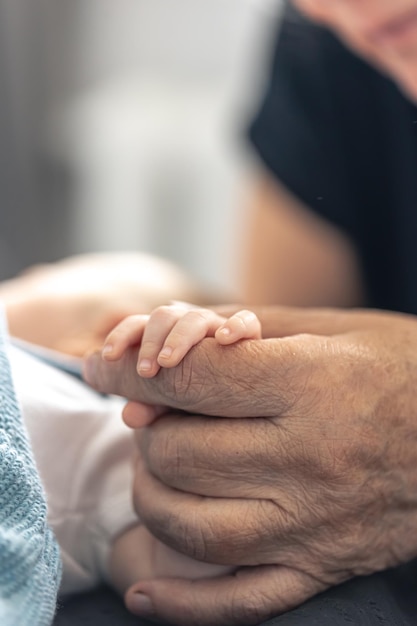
(343, 139)
(98, 608)
(385, 599)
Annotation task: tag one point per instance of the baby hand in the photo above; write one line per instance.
(168, 333)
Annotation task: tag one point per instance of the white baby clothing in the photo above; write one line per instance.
(84, 456)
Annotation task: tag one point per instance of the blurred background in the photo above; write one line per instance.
(122, 127)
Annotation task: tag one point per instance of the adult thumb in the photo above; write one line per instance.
(246, 598)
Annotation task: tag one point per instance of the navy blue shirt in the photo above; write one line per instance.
(343, 138)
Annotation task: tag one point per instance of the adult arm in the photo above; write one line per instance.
(293, 256)
(318, 488)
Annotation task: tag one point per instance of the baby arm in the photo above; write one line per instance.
(166, 335)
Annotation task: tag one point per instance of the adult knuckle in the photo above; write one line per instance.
(165, 459)
(183, 529)
(172, 458)
(207, 538)
(186, 385)
(195, 540)
(285, 511)
(201, 536)
(249, 608)
(239, 537)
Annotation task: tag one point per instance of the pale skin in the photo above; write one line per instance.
(315, 482)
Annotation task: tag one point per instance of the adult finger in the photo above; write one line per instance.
(218, 530)
(214, 457)
(246, 598)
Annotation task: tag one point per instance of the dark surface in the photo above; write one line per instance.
(385, 599)
(98, 608)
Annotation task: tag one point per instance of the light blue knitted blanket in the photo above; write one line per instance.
(30, 567)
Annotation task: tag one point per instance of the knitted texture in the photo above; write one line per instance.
(30, 567)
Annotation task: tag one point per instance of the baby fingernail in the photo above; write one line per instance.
(144, 365)
(166, 352)
(226, 332)
(107, 349)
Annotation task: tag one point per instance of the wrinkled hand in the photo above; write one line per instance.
(320, 487)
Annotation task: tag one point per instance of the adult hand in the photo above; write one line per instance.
(320, 487)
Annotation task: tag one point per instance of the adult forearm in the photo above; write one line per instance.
(282, 321)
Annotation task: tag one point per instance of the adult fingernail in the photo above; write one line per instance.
(141, 605)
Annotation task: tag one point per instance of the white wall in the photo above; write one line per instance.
(148, 122)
